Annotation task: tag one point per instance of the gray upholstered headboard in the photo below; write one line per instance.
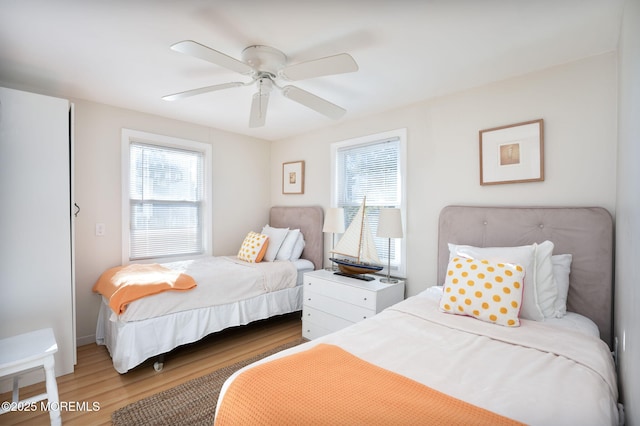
(584, 232)
(309, 219)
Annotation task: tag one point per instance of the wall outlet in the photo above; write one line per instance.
(100, 229)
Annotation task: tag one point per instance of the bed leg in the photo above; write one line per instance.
(159, 363)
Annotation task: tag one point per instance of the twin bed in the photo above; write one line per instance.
(416, 363)
(229, 293)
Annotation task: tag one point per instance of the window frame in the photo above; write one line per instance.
(401, 135)
(130, 136)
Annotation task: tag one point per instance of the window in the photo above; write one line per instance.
(373, 166)
(166, 208)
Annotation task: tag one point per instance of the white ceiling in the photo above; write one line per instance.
(117, 52)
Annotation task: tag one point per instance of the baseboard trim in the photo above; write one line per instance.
(86, 340)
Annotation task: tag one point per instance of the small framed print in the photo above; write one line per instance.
(293, 177)
(512, 154)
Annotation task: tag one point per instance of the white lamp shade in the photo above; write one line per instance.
(390, 224)
(334, 220)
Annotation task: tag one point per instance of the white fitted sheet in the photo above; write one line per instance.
(132, 342)
(537, 373)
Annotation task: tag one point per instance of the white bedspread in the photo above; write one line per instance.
(538, 373)
(221, 280)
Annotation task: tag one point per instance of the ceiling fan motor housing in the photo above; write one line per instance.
(264, 59)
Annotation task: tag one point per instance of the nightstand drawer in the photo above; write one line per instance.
(336, 307)
(311, 330)
(328, 321)
(353, 295)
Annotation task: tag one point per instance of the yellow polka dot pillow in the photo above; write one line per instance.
(485, 290)
(253, 247)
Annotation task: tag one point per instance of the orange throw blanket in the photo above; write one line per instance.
(124, 284)
(327, 385)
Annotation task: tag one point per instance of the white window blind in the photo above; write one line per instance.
(371, 169)
(166, 192)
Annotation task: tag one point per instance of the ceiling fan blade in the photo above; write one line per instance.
(337, 64)
(201, 90)
(314, 102)
(259, 109)
(200, 51)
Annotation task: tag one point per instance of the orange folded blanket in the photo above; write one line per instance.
(124, 284)
(327, 385)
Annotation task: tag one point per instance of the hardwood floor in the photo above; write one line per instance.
(95, 383)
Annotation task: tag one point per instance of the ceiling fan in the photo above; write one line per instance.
(267, 66)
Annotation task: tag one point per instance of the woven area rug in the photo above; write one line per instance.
(191, 403)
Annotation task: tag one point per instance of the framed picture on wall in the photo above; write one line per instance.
(293, 177)
(512, 154)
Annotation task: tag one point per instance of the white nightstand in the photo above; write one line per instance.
(332, 302)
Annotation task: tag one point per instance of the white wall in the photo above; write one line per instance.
(627, 297)
(240, 191)
(577, 102)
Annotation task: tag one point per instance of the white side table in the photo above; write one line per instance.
(27, 352)
(332, 302)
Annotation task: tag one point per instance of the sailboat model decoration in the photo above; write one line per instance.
(357, 244)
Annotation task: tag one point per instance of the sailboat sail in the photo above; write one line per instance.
(357, 242)
(368, 252)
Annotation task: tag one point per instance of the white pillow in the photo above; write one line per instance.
(298, 248)
(522, 255)
(276, 238)
(284, 253)
(546, 287)
(561, 270)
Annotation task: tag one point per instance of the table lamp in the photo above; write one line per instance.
(389, 226)
(334, 223)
